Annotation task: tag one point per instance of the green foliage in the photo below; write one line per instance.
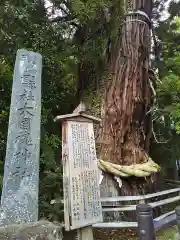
(29, 25)
(167, 123)
(169, 90)
(81, 32)
(87, 10)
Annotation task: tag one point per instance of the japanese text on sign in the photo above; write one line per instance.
(84, 175)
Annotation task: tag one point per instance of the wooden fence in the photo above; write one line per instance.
(143, 207)
(116, 204)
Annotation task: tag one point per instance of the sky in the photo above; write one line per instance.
(166, 14)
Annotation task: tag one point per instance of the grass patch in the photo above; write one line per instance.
(168, 234)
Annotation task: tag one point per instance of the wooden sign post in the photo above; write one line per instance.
(82, 206)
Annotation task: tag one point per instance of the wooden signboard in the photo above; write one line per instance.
(82, 206)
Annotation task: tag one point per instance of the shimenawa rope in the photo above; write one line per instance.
(137, 170)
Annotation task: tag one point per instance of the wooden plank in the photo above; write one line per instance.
(64, 117)
(115, 225)
(164, 216)
(141, 197)
(127, 224)
(76, 115)
(164, 202)
(66, 177)
(143, 201)
(169, 221)
(95, 119)
(172, 181)
(127, 208)
(84, 189)
(85, 233)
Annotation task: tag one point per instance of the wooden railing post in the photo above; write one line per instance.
(85, 233)
(145, 222)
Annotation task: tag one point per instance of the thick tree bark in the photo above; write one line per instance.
(126, 98)
(126, 127)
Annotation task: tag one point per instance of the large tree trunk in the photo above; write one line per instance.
(126, 127)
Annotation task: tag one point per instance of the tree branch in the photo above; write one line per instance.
(154, 134)
(62, 19)
(63, 10)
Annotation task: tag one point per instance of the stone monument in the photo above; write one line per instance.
(19, 200)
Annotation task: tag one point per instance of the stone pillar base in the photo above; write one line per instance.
(41, 230)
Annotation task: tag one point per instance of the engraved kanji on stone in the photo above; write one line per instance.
(23, 57)
(31, 65)
(25, 123)
(26, 110)
(19, 171)
(29, 80)
(19, 198)
(22, 155)
(26, 95)
(24, 137)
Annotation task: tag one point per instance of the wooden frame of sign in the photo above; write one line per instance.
(82, 206)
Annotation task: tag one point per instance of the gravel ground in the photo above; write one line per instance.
(128, 234)
(115, 234)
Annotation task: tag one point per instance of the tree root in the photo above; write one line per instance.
(137, 170)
